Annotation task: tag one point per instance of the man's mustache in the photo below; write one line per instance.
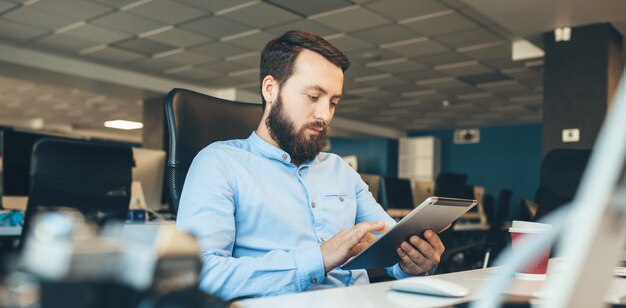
(318, 125)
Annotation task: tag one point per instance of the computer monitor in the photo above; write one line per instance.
(149, 170)
(398, 193)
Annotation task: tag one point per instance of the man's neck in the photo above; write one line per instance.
(263, 132)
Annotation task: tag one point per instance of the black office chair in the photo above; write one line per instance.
(561, 171)
(92, 178)
(195, 120)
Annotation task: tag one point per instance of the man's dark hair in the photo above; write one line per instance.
(280, 54)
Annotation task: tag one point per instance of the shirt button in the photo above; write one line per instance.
(313, 204)
(322, 239)
(300, 174)
(341, 198)
(313, 280)
(284, 156)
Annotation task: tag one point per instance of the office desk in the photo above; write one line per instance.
(379, 295)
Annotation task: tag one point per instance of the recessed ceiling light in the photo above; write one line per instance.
(123, 124)
(445, 103)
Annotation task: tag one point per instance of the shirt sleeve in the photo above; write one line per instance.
(207, 210)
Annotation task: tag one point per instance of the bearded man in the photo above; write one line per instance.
(272, 213)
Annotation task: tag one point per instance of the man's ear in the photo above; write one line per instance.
(269, 89)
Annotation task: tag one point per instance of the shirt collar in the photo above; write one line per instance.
(268, 150)
(273, 152)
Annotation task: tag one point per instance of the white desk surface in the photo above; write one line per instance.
(379, 295)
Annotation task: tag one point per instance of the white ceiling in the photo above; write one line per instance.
(408, 55)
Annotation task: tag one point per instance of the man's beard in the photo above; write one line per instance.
(300, 147)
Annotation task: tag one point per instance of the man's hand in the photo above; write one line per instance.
(349, 242)
(418, 255)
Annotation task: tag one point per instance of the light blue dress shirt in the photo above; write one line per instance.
(260, 220)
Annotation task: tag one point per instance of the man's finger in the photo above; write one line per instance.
(369, 237)
(435, 241)
(417, 256)
(424, 248)
(407, 260)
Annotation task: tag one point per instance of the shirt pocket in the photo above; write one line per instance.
(339, 209)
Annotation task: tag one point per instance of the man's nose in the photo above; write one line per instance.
(322, 111)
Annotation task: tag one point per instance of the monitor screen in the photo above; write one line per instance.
(149, 170)
(398, 193)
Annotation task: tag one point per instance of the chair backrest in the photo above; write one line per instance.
(561, 171)
(196, 120)
(373, 181)
(93, 178)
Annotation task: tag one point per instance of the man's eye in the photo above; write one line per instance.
(313, 98)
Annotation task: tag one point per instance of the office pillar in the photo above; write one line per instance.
(154, 126)
(580, 76)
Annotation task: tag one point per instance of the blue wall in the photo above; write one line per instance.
(506, 157)
(375, 156)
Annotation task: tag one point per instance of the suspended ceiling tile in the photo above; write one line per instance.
(168, 11)
(449, 22)
(220, 49)
(187, 57)
(6, 5)
(114, 55)
(487, 52)
(308, 8)
(261, 15)
(223, 81)
(401, 65)
(61, 42)
(371, 54)
(385, 34)
(357, 71)
(215, 6)
(468, 38)
(153, 65)
(302, 24)
(76, 9)
(386, 82)
(419, 48)
(420, 75)
(194, 74)
(96, 34)
(114, 3)
(464, 69)
(347, 43)
(179, 37)
(484, 78)
(442, 58)
(127, 22)
(38, 18)
(215, 27)
(16, 32)
(223, 67)
(351, 19)
(403, 9)
(250, 59)
(254, 41)
(145, 46)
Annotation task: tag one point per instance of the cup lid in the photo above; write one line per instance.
(520, 226)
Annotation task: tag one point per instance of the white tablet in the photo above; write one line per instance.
(435, 213)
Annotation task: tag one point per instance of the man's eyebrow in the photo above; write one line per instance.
(318, 88)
